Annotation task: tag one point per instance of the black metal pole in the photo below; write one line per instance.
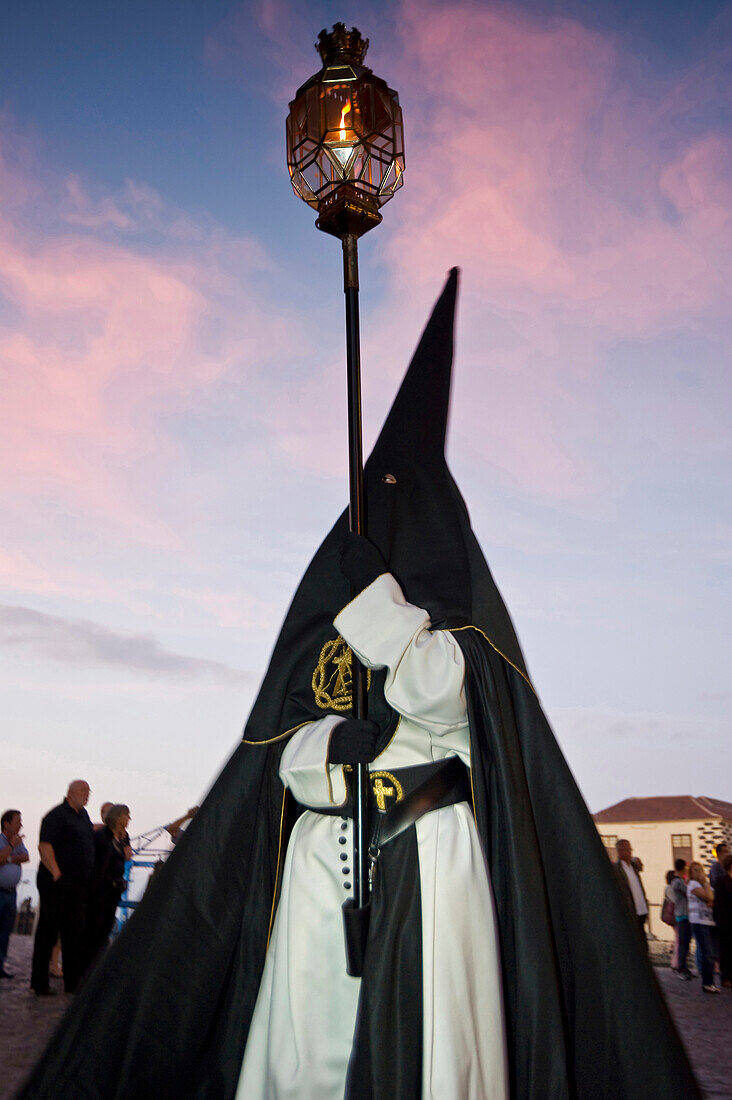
(357, 524)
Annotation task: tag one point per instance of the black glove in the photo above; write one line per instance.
(361, 561)
(353, 741)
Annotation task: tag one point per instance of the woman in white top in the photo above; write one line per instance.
(701, 899)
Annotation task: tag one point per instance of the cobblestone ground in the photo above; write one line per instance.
(704, 1022)
(705, 1025)
(27, 1020)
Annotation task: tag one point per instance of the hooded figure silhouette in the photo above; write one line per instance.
(552, 979)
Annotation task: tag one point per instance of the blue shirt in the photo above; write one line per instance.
(10, 873)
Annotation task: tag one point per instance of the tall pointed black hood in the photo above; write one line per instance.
(418, 519)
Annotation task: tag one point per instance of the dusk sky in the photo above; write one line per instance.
(173, 384)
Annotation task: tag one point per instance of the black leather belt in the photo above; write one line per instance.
(399, 797)
(445, 784)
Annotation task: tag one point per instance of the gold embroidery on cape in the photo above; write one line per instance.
(332, 677)
(381, 792)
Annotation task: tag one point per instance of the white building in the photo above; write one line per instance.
(661, 830)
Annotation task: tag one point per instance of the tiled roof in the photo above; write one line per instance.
(678, 807)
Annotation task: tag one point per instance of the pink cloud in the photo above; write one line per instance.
(233, 608)
(503, 109)
(100, 339)
(699, 181)
(92, 316)
(93, 216)
(43, 569)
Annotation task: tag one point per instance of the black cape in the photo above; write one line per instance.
(167, 1011)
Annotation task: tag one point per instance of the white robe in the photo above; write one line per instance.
(302, 1029)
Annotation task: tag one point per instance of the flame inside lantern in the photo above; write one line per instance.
(342, 127)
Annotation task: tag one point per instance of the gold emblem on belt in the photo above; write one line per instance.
(394, 792)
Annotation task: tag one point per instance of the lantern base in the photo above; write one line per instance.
(347, 215)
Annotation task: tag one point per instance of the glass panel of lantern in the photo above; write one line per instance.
(343, 120)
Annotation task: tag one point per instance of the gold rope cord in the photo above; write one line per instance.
(454, 630)
(277, 872)
(280, 736)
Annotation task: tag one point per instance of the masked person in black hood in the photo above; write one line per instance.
(500, 909)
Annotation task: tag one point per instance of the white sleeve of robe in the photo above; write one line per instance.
(426, 670)
(424, 682)
(304, 767)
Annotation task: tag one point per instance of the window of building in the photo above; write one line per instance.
(609, 841)
(681, 846)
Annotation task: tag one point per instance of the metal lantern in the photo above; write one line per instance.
(345, 144)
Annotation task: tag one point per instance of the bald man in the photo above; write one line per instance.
(66, 848)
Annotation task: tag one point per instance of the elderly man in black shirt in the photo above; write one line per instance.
(66, 847)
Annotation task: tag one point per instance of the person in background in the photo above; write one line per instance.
(700, 897)
(723, 921)
(683, 925)
(66, 848)
(716, 868)
(12, 853)
(108, 880)
(103, 811)
(716, 874)
(177, 827)
(631, 884)
(668, 910)
(99, 825)
(667, 915)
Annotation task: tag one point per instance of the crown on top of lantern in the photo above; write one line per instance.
(342, 45)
